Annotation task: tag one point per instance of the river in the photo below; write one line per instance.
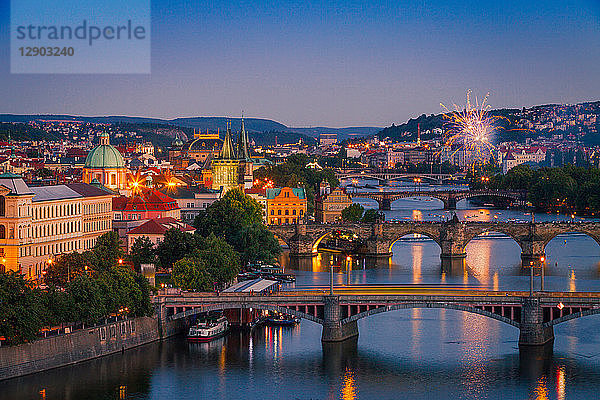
(407, 354)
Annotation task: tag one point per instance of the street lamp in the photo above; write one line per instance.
(542, 260)
(331, 277)
(530, 278)
(348, 267)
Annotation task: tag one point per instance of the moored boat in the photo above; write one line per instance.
(209, 329)
(282, 320)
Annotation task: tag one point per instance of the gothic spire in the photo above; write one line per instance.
(243, 145)
(228, 152)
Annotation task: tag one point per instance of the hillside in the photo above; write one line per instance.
(578, 120)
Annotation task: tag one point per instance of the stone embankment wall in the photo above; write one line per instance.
(82, 345)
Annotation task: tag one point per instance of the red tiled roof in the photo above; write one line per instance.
(160, 226)
(146, 199)
(256, 190)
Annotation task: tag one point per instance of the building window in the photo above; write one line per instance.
(287, 212)
(294, 211)
(2, 232)
(278, 212)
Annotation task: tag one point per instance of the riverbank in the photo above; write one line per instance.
(82, 345)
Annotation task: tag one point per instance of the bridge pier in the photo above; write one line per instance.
(333, 330)
(454, 264)
(532, 329)
(450, 204)
(377, 247)
(385, 204)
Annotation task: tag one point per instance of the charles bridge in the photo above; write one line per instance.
(451, 236)
(449, 197)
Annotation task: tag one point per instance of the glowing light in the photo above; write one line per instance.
(541, 391)
(471, 128)
(349, 391)
(560, 383)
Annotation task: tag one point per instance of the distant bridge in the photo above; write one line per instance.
(387, 177)
(449, 197)
(452, 236)
(534, 315)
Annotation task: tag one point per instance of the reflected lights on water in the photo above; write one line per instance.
(417, 258)
(560, 383)
(349, 390)
(541, 390)
(572, 284)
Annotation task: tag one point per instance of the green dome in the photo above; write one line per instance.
(104, 156)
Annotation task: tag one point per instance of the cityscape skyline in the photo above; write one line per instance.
(348, 64)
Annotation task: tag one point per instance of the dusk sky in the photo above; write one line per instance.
(317, 63)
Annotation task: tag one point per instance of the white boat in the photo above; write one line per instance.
(209, 329)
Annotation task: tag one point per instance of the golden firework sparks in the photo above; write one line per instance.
(471, 128)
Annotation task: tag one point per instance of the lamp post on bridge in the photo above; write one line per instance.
(348, 268)
(331, 277)
(530, 278)
(542, 263)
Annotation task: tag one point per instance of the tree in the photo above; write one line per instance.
(226, 216)
(125, 290)
(353, 213)
(220, 259)
(68, 266)
(107, 251)
(371, 216)
(22, 314)
(174, 247)
(213, 262)
(256, 243)
(88, 299)
(190, 273)
(142, 252)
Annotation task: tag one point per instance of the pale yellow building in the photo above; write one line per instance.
(39, 223)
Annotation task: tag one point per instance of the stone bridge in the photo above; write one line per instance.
(533, 314)
(448, 197)
(452, 236)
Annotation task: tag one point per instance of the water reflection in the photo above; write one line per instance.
(349, 390)
(274, 363)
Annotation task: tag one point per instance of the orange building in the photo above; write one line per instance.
(329, 206)
(285, 205)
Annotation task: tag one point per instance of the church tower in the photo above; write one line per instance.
(246, 172)
(226, 165)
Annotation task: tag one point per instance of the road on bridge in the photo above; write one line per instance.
(419, 290)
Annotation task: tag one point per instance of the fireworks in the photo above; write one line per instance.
(471, 128)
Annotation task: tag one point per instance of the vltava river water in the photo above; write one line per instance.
(408, 354)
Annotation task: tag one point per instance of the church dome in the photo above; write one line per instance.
(104, 156)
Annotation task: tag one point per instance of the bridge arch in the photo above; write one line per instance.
(569, 317)
(412, 176)
(440, 198)
(497, 194)
(449, 306)
(259, 306)
(492, 229)
(411, 232)
(321, 236)
(593, 235)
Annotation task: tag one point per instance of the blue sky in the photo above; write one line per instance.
(347, 63)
